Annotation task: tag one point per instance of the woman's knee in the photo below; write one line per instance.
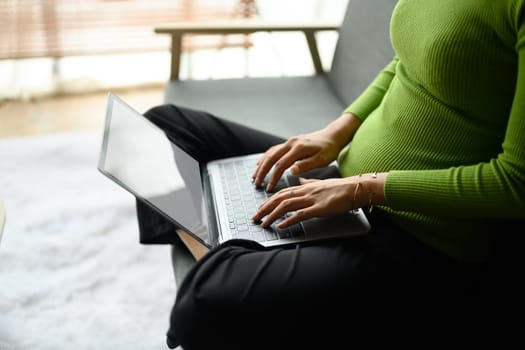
(162, 115)
(202, 306)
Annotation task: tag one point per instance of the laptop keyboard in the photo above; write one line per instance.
(242, 201)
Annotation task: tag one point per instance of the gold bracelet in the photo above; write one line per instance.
(355, 195)
(371, 195)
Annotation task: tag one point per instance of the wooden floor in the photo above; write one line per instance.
(68, 113)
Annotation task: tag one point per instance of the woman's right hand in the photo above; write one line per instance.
(306, 152)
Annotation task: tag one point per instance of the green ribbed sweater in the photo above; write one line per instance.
(446, 119)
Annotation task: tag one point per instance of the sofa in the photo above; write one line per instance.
(292, 105)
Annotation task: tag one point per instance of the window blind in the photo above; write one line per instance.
(58, 28)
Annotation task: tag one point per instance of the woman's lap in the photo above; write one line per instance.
(241, 292)
(373, 282)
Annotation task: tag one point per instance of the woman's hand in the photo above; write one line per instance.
(301, 153)
(306, 152)
(317, 198)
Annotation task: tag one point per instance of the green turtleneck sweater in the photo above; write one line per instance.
(446, 119)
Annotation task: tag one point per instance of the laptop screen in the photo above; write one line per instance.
(139, 157)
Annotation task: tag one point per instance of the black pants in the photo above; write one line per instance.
(346, 291)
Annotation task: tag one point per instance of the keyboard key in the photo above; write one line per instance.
(242, 228)
(243, 201)
(259, 236)
(244, 235)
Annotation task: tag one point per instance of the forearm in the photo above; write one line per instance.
(342, 129)
(372, 96)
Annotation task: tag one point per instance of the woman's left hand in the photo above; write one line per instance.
(316, 198)
(312, 198)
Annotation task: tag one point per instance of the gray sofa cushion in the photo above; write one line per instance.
(363, 47)
(282, 106)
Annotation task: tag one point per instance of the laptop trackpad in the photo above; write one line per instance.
(332, 226)
(336, 225)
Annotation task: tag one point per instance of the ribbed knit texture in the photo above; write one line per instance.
(446, 118)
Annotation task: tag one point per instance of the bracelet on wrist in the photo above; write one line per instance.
(371, 194)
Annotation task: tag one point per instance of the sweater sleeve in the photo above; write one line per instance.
(373, 94)
(494, 189)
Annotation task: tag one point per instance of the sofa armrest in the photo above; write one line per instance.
(178, 30)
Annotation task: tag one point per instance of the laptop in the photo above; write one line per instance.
(212, 202)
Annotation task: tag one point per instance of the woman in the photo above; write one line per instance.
(435, 145)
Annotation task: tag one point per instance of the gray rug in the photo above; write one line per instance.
(72, 273)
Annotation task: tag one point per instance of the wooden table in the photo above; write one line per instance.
(249, 26)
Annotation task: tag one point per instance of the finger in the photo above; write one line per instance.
(284, 163)
(267, 162)
(270, 204)
(287, 205)
(306, 164)
(261, 160)
(283, 208)
(257, 165)
(297, 217)
(277, 172)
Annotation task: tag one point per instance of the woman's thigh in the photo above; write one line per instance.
(242, 295)
(325, 291)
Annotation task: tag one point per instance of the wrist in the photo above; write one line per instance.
(342, 130)
(368, 190)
